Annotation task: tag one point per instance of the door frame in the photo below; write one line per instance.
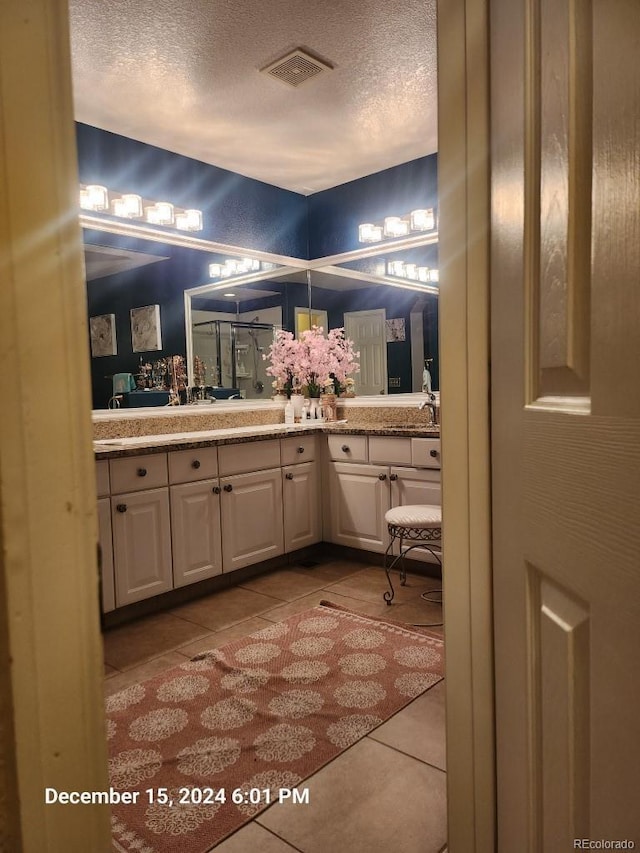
(43, 742)
(464, 210)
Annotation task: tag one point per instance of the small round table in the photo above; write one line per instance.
(421, 526)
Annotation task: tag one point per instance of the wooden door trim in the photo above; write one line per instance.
(463, 191)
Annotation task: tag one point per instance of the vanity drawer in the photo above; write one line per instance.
(425, 452)
(186, 466)
(248, 456)
(134, 473)
(387, 450)
(348, 448)
(298, 449)
(102, 478)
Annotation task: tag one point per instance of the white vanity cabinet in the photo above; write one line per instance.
(301, 492)
(105, 540)
(250, 503)
(194, 495)
(360, 495)
(141, 527)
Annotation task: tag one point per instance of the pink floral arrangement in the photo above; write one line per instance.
(314, 362)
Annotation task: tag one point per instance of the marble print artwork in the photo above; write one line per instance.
(145, 328)
(102, 332)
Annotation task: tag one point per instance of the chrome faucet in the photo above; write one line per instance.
(429, 403)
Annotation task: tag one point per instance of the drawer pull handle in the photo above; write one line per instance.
(434, 453)
(228, 487)
(121, 507)
(216, 490)
(195, 463)
(142, 472)
(345, 448)
(393, 477)
(289, 476)
(382, 476)
(301, 450)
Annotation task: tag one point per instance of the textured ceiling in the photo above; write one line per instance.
(184, 76)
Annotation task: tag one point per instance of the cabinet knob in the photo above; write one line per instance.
(301, 450)
(195, 463)
(382, 476)
(434, 453)
(345, 448)
(121, 507)
(216, 490)
(228, 487)
(393, 477)
(289, 476)
(141, 472)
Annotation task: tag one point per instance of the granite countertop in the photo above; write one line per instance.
(140, 445)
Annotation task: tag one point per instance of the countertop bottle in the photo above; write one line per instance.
(289, 415)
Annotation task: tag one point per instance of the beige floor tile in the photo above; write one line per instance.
(225, 608)
(253, 838)
(285, 584)
(415, 612)
(371, 583)
(218, 638)
(130, 645)
(139, 673)
(419, 728)
(276, 614)
(371, 799)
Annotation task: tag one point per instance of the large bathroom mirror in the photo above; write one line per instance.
(223, 327)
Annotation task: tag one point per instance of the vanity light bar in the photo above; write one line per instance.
(98, 198)
(422, 219)
(399, 269)
(236, 266)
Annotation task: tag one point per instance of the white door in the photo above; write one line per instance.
(195, 531)
(301, 505)
(367, 329)
(141, 545)
(359, 500)
(566, 420)
(252, 528)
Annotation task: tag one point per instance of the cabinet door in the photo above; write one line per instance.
(195, 531)
(359, 500)
(251, 511)
(142, 544)
(107, 587)
(300, 488)
(416, 486)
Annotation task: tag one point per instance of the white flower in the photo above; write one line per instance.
(350, 729)
(208, 755)
(125, 698)
(228, 713)
(318, 625)
(296, 704)
(129, 768)
(305, 671)
(364, 638)
(362, 664)
(311, 646)
(245, 680)
(284, 743)
(179, 818)
(415, 683)
(418, 657)
(158, 725)
(258, 653)
(183, 687)
(359, 694)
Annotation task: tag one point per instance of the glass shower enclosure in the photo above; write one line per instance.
(228, 358)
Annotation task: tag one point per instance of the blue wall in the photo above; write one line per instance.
(334, 214)
(237, 210)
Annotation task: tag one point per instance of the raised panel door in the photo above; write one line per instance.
(196, 543)
(359, 500)
(252, 522)
(300, 488)
(105, 541)
(142, 545)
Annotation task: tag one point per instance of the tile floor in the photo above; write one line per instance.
(386, 792)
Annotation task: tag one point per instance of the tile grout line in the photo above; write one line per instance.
(370, 736)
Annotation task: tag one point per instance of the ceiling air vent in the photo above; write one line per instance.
(296, 68)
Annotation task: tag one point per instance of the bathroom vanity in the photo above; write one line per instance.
(184, 506)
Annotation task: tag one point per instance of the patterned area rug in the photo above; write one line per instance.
(207, 745)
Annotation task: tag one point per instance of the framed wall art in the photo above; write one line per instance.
(102, 333)
(145, 328)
